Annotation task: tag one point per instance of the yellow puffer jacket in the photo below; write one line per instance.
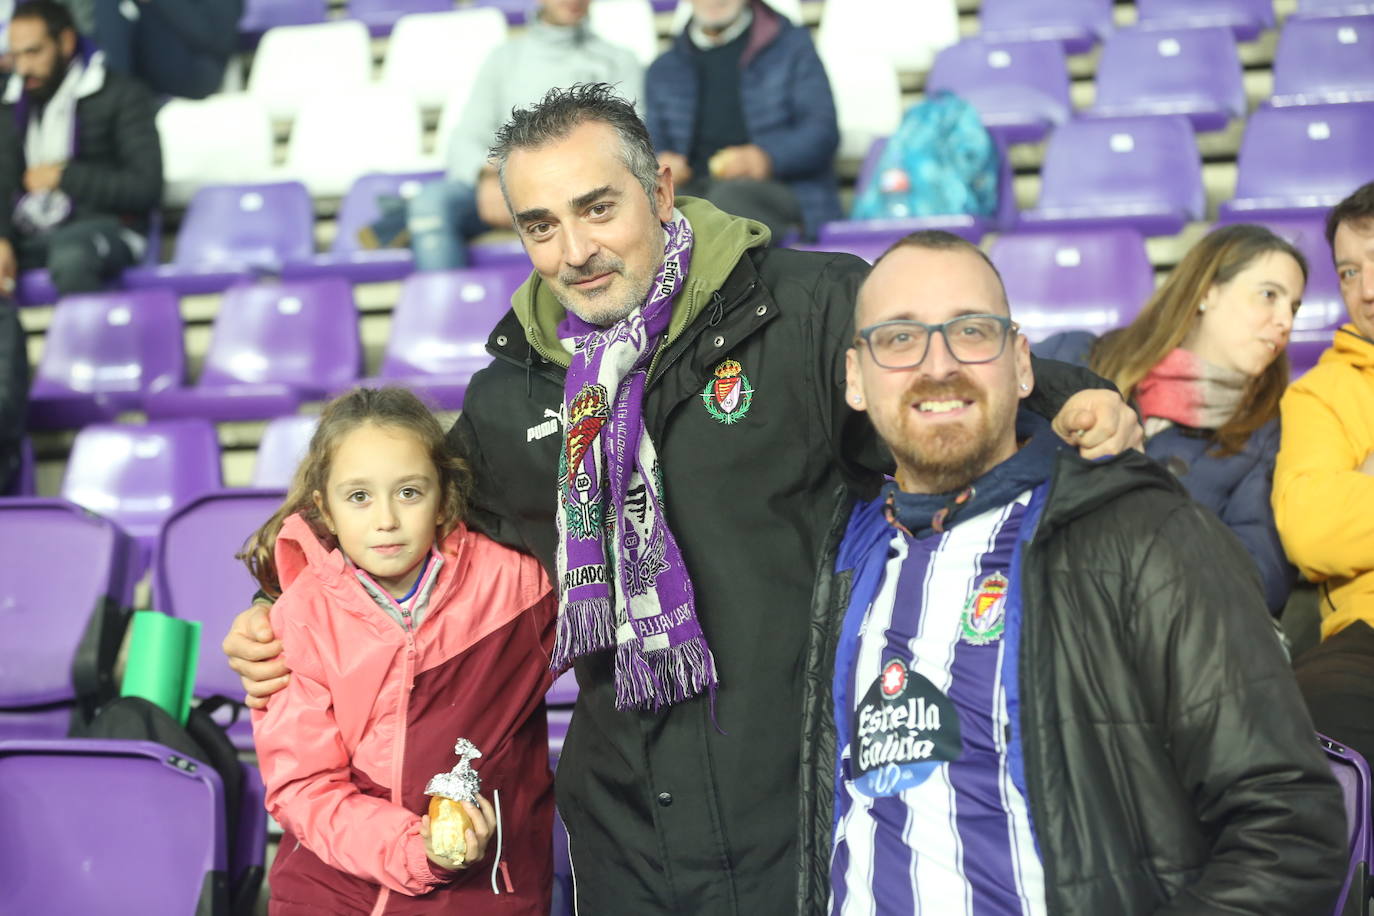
(1323, 503)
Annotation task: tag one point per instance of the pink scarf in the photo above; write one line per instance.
(1185, 389)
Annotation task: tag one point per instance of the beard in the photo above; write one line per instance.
(949, 456)
(601, 307)
(42, 94)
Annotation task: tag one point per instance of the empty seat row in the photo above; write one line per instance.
(273, 347)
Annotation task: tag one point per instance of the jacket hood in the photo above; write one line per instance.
(299, 548)
(720, 241)
(1079, 486)
(1351, 349)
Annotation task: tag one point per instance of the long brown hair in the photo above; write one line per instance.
(391, 407)
(1126, 356)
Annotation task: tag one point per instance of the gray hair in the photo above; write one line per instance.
(554, 116)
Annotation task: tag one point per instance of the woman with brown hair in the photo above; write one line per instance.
(1204, 364)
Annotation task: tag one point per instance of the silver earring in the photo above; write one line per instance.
(1025, 387)
(858, 400)
(1202, 308)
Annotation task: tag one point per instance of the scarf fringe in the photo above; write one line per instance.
(583, 627)
(659, 677)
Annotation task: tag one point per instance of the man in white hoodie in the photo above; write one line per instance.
(556, 49)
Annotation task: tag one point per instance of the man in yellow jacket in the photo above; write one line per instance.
(1324, 490)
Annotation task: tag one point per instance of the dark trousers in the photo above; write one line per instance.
(81, 255)
(152, 48)
(770, 202)
(1337, 681)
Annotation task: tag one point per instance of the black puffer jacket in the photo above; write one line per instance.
(117, 168)
(677, 811)
(1170, 763)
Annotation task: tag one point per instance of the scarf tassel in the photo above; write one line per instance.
(655, 678)
(583, 626)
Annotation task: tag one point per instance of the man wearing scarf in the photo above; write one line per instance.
(1054, 687)
(80, 159)
(664, 427)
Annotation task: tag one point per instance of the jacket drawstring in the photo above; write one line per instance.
(496, 863)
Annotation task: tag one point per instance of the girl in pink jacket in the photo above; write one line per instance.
(404, 631)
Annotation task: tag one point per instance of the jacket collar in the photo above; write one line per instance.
(721, 241)
(549, 34)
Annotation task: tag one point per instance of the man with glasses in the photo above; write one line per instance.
(1054, 688)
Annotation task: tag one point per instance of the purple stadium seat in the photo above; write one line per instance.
(232, 232)
(1325, 60)
(499, 252)
(261, 15)
(196, 577)
(439, 331)
(64, 620)
(1317, 8)
(380, 15)
(283, 445)
(1294, 159)
(559, 719)
(346, 256)
(109, 826)
(1079, 24)
(1074, 281)
(1246, 18)
(1140, 172)
(136, 476)
(102, 353)
(1193, 72)
(1323, 309)
(564, 690)
(274, 345)
(1020, 88)
(1352, 772)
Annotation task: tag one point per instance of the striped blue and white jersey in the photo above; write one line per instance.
(929, 819)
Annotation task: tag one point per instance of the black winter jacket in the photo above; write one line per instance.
(1171, 765)
(683, 811)
(117, 168)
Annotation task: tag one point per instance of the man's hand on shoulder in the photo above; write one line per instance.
(1099, 423)
(255, 655)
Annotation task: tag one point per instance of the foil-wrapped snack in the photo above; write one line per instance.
(448, 822)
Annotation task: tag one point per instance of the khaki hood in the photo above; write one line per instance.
(720, 241)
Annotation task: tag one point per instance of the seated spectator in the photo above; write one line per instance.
(1324, 490)
(557, 49)
(80, 160)
(14, 394)
(176, 47)
(740, 110)
(1205, 366)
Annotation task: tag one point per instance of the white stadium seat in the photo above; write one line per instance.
(338, 137)
(628, 23)
(868, 99)
(296, 62)
(432, 56)
(224, 139)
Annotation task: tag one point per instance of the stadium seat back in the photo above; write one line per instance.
(245, 227)
(1302, 158)
(284, 443)
(296, 62)
(627, 23)
(1325, 60)
(868, 100)
(1246, 18)
(431, 55)
(1193, 72)
(443, 319)
(1077, 23)
(225, 139)
(907, 34)
(1074, 280)
(100, 826)
(340, 136)
(1352, 772)
(1020, 88)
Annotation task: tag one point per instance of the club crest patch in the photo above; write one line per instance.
(728, 395)
(984, 616)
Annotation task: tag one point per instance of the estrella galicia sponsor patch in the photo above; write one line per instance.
(728, 395)
(904, 728)
(985, 611)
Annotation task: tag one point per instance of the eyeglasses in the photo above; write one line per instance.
(970, 338)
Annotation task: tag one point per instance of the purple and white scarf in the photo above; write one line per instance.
(622, 581)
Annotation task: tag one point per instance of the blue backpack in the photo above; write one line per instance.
(940, 161)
